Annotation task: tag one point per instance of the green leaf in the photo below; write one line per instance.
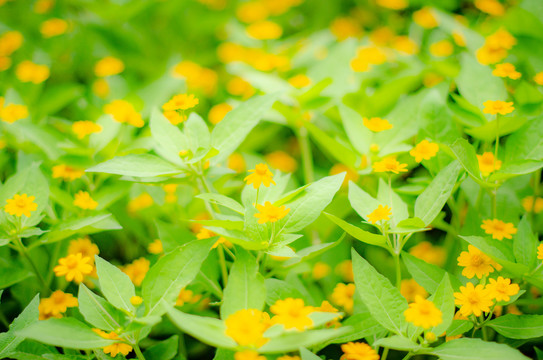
(164, 350)
(279, 289)
(361, 326)
(308, 355)
(359, 135)
(383, 300)
(65, 332)
(245, 289)
(238, 123)
(11, 339)
(306, 209)
(312, 251)
(291, 341)
(362, 202)
(476, 349)
(208, 330)
(168, 139)
(525, 244)
(198, 137)
(466, 155)
(387, 196)
(526, 143)
(115, 285)
(397, 342)
(517, 168)
(431, 201)
(85, 225)
(518, 326)
(459, 327)
(443, 299)
(96, 310)
(338, 151)
(223, 201)
(358, 233)
(426, 275)
(138, 165)
(173, 272)
(487, 132)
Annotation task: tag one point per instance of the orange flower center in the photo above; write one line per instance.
(71, 263)
(473, 298)
(20, 203)
(476, 260)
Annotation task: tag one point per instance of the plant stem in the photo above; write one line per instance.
(22, 250)
(307, 158)
(408, 356)
(385, 354)
(222, 262)
(398, 270)
(485, 333)
(138, 352)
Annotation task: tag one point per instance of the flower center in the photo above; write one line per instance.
(20, 203)
(473, 298)
(476, 260)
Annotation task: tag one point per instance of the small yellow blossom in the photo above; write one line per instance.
(100, 88)
(475, 263)
(491, 7)
(248, 355)
(264, 30)
(43, 6)
(405, 45)
(320, 270)
(488, 54)
(66, 172)
(292, 314)
(393, 4)
(5, 63)
(218, 112)
(538, 78)
(85, 127)
(531, 205)
(473, 300)
(345, 270)
(186, 296)
(506, 70)
(423, 313)
(236, 162)
(206, 234)
(239, 87)
(10, 42)
(410, 289)
(137, 270)
(345, 27)
(117, 348)
(424, 150)
(27, 71)
(379, 214)
(488, 164)
(282, 161)
(289, 357)
(358, 351)
(21, 205)
(540, 252)
(122, 111)
(260, 175)
(155, 247)
(442, 48)
(181, 102)
(84, 247)
(140, 202)
(252, 11)
(246, 327)
(431, 254)
(502, 289)
(53, 27)
(501, 39)
(299, 81)
(376, 124)
(350, 175)
(74, 267)
(84, 201)
(389, 164)
(498, 229)
(108, 66)
(13, 112)
(270, 213)
(498, 107)
(343, 295)
(459, 38)
(425, 18)
(136, 300)
(56, 304)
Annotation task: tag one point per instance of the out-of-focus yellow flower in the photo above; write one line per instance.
(459, 38)
(405, 45)
(136, 300)
(13, 112)
(229, 52)
(155, 247)
(345, 27)
(53, 27)
(27, 71)
(214, 4)
(431, 254)
(137, 270)
(56, 304)
(252, 11)
(529, 204)
(281, 161)
(506, 70)
(424, 150)
(299, 81)
(431, 79)
(498, 107)
(350, 175)
(345, 270)
(382, 36)
(492, 7)
(264, 30)
(5, 63)
(122, 111)
(198, 78)
(380, 214)
(21, 205)
(442, 48)
(393, 4)
(377, 124)
(499, 229)
(248, 355)
(358, 351)
(425, 18)
(236, 162)
(270, 213)
(239, 87)
(84, 201)
(218, 112)
(389, 164)
(181, 102)
(66, 172)
(206, 234)
(140, 202)
(538, 78)
(488, 164)
(343, 295)
(292, 314)
(85, 127)
(100, 88)
(540, 252)
(108, 66)
(410, 289)
(495, 47)
(43, 6)
(502, 289)
(114, 349)
(247, 327)
(423, 313)
(10, 42)
(320, 270)
(85, 247)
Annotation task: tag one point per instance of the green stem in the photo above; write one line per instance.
(222, 262)
(385, 354)
(485, 333)
(307, 158)
(22, 250)
(398, 270)
(493, 197)
(138, 352)
(408, 356)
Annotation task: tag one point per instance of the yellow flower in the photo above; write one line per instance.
(345, 27)
(424, 150)
(393, 4)
(73, 267)
(186, 296)
(345, 270)
(292, 313)
(56, 304)
(473, 300)
(108, 66)
(425, 18)
(288, 357)
(53, 27)
(137, 270)
(423, 313)
(358, 351)
(540, 252)
(405, 45)
(498, 107)
(488, 164)
(239, 87)
(350, 175)
(431, 254)
(376, 124)
(13, 112)
(246, 327)
(320, 270)
(379, 214)
(498, 229)
(114, 349)
(218, 112)
(84, 247)
(85, 127)
(100, 88)
(27, 71)
(299, 81)
(136, 300)
(270, 213)
(343, 295)
(501, 39)
(252, 11)
(84, 201)
(197, 77)
(442, 48)
(501, 289)
(264, 30)
(530, 205)
(506, 70)
(67, 173)
(282, 161)
(9, 42)
(488, 54)
(475, 263)
(5, 63)
(492, 7)
(140, 202)
(155, 247)
(206, 234)
(389, 164)
(538, 78)
(122, 111)
(459, 38)
(367, 56)
(248, 355)
(260, 175)
(43, 6)
(181, 102)
(21, 205)
(236, 162)
(410, 289)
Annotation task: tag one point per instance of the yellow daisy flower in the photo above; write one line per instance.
(21, 205)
